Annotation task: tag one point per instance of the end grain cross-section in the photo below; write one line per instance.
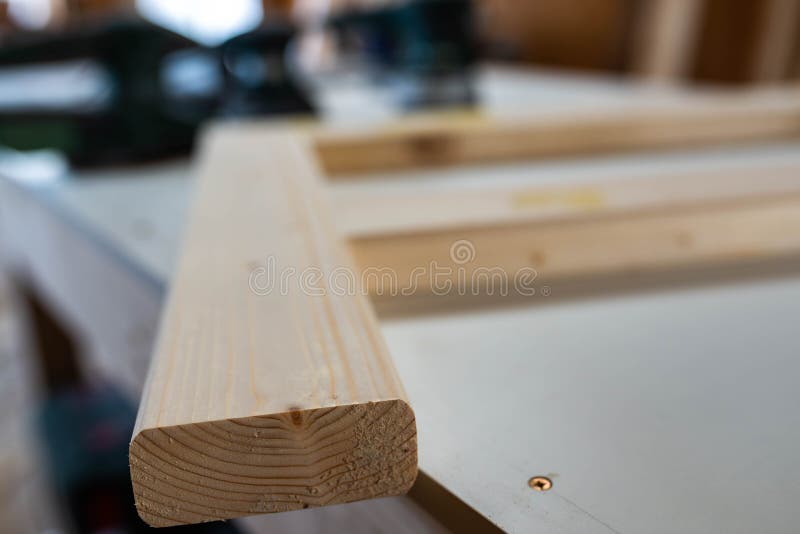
(263, 401)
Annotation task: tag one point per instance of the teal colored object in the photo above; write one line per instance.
(86, 433)
(136, 119)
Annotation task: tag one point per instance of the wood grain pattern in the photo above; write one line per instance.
(705, 119)
(255, 402)
(269, 402)
(366, 209)
(578, 230)
(653, 241)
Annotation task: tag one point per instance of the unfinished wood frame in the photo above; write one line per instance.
(264, 401)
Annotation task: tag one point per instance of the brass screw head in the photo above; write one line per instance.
(540, 483)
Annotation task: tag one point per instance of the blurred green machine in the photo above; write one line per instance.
(424, 50)
(129, 90)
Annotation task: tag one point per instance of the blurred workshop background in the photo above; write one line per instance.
(88, 87)
(124, 80)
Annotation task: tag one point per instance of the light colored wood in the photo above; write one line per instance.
(667, 36)
(651, 241)
(263, 403)
(568, 231)
(704, 119)
(779, 36)
(604, 346)
(366, 209)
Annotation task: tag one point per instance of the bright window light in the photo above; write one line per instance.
(31, 14)
(207, 21)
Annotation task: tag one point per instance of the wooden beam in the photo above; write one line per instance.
(711, 118)
(574, 35)
(259, 402)
(264, 398)
(568, 231)
(667, 35)
(368, 209)
(794, 67)
(778, 39)
(536, 256)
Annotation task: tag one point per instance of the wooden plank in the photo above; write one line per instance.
(703, 119)
(794, 67)
(779, 34)
(728, 41)
(257, 402)
(522, 259)
(568, 231)
(224, 362)
(575, 35)
(667, 35)
(365, 209)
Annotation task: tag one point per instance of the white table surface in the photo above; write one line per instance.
(666, 410)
